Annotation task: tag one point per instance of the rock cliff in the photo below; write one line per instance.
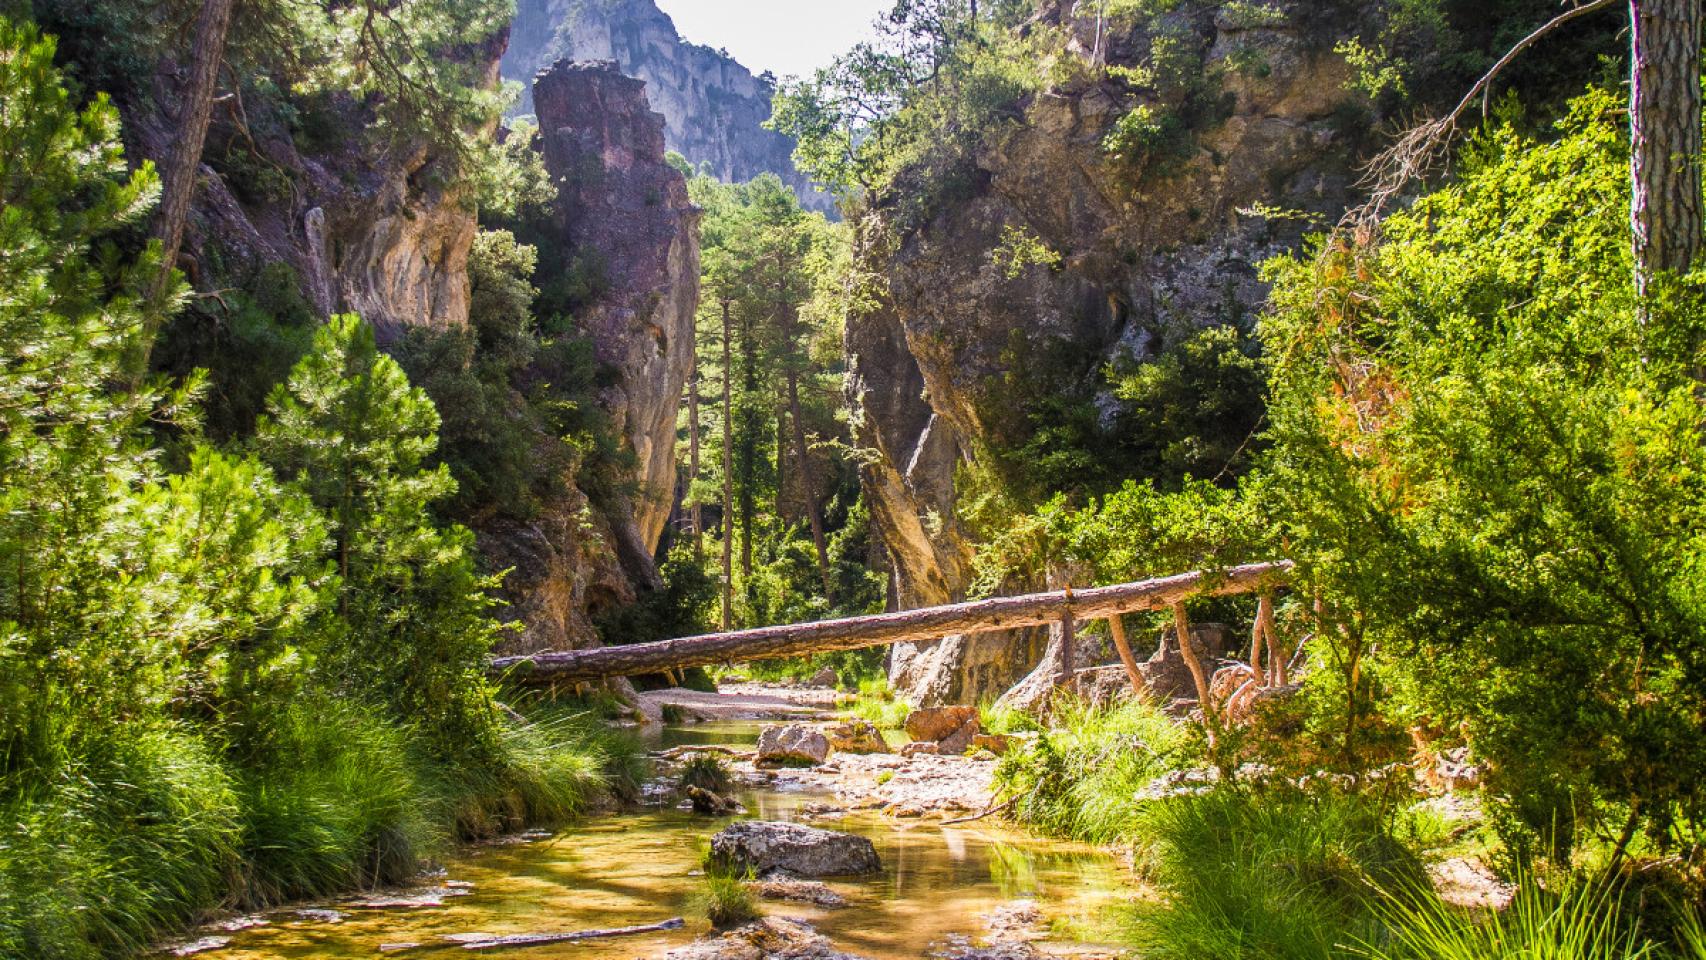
(713, 108)
(622, 206)
(1141, 254)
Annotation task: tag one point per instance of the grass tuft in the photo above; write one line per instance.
(725, 900)
(878, 704)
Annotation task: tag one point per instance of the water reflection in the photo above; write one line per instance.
(637, 868)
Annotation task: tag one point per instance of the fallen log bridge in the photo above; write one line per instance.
(853, 633)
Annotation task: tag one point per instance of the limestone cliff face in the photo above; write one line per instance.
(713, 108)
(1139, 256)
(366, 229)
(622, 206)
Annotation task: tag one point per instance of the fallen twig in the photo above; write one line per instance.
(992, 811)
(482, 942)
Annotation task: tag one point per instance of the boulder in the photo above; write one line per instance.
(825, 678)
(938, 723)
(921, 748)
(792, 744)
(856, 736)
(768, 848)
(958, 742)
(995, 743)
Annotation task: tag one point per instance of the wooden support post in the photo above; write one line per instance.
(1278, 658)
(1256, 645)
(1187, 649)
(1068, 671)
(1116, 626)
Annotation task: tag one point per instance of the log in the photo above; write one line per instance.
(853, 633)
(1116, 626)
(477, 942)
(1188, 650)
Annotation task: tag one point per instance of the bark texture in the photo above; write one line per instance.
(178, 179)
(1000, 613)
(1665, 137)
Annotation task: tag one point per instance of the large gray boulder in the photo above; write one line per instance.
(792, 744)
(769, 848)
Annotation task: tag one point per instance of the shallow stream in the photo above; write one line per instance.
(639, 867)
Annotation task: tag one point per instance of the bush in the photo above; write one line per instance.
(1489, 466)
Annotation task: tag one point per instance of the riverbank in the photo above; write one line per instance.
(965, 891)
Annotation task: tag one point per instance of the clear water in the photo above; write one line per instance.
(640, 868)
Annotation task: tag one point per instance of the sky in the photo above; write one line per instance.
(786, 37)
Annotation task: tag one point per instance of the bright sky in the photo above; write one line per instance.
(787, 37)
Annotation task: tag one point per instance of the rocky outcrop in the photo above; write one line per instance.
(1143, 254)
(714, 109)
(364, 229)
(624, 209)
(768, 848)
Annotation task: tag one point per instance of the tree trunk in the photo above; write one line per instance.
(808, 485)
(748, 448)
(178, 179)
(1664, 112)
(853, 633)
(696, 512)
(728, 470)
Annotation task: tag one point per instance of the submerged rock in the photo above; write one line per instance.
(795, 743)
(768, 939)
(768, 848)
(798, 891)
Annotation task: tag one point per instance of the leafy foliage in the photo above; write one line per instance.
(1490, 468)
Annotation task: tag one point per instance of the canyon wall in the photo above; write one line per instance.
(1141, 255)
(714, 109)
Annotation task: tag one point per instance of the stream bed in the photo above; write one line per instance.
(641, 867)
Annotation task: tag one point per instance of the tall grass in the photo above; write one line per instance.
(1282, 875)
(879, 704)
(157, 826)
(1582, 921)
(134, 840)
(1084, 778)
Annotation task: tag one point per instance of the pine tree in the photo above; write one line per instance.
(415, 633)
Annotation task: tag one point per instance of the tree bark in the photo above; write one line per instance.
(1664, 113)
(1199, 675)
(933, 623)
(728, 469)
(178, 179)
(1116, 626)
(1068, 649)
(808, 485)
(695, 513)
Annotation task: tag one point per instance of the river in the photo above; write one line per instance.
(639, 867)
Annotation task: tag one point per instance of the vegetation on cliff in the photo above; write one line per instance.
(236, 671)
